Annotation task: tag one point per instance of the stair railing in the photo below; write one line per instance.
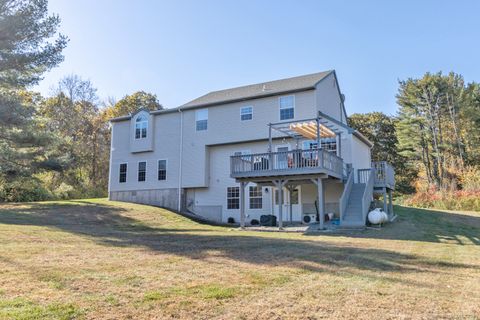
(346, 194)
(368, 194)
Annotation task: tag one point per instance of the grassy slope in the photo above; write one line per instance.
(110, 260)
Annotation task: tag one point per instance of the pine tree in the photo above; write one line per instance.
(29, 46)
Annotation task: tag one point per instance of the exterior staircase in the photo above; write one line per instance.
(353, 212)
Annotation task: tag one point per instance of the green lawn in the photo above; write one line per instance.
(97, 259)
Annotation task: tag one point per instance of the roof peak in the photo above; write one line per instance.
(256, 90)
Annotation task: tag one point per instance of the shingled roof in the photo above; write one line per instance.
(259, 90)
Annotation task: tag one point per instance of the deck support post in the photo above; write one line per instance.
(321, 201)
(390, 203)
(269, 137)
(243, 184)
(385, 209)
(290, 189)
(280, 184)
(339, 144)
(270, 155)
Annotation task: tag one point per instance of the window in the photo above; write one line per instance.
(287, 107)
(255, 197)
(142, 170)
(162, 169)
(201, 119)
(123, 173)
(246, 113)
(141, 125)
(233, 198)
(328, 144)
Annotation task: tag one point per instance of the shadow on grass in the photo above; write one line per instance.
(428, 225)
(107, 226)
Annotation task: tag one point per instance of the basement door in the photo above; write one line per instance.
(296, 213)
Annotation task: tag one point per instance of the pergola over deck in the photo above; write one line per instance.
(312, 129)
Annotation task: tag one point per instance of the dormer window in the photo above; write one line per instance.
(141, 125)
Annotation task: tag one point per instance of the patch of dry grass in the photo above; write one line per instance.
(97, 259)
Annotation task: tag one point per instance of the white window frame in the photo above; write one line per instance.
(256, 197)
(197, 113)
(140, 125)
(280, 107)
(233, 198)
(166, 169)
(120, 172)
(138, 170)
(250, 113)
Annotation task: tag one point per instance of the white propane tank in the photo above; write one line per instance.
(385, 216)
(375, 216)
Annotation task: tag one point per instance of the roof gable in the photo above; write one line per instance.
(258, 90)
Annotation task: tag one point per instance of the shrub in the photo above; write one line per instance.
(23, 190)
(449, 200)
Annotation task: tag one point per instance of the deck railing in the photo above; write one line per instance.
(384, 174)
(368, 193)
(294, 161)
(343, 202)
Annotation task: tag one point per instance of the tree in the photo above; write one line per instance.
(74, 116)
(132, 103)
(438, 126)
(27, 50)
(381, 130)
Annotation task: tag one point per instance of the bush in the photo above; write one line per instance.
(23, 190)
(451, 200)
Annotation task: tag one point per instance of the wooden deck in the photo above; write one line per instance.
(286, 163)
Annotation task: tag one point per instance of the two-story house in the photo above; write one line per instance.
(280, 147)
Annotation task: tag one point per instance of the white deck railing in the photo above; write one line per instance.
(343, 202)
(384, 174)
(368, 193)
(288, 162)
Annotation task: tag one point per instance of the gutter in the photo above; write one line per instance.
(180, 163)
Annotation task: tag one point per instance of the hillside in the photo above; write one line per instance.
(110, 260)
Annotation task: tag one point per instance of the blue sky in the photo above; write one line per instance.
(180, 50)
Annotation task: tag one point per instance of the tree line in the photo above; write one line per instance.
(58, 146)
(434, 139)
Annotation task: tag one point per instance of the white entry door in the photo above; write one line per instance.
(295, 199)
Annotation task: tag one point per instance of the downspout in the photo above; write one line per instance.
(111, 164)
(180, 163)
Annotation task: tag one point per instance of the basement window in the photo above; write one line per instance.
(123, 173)
(162, 169)
(142, 171)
